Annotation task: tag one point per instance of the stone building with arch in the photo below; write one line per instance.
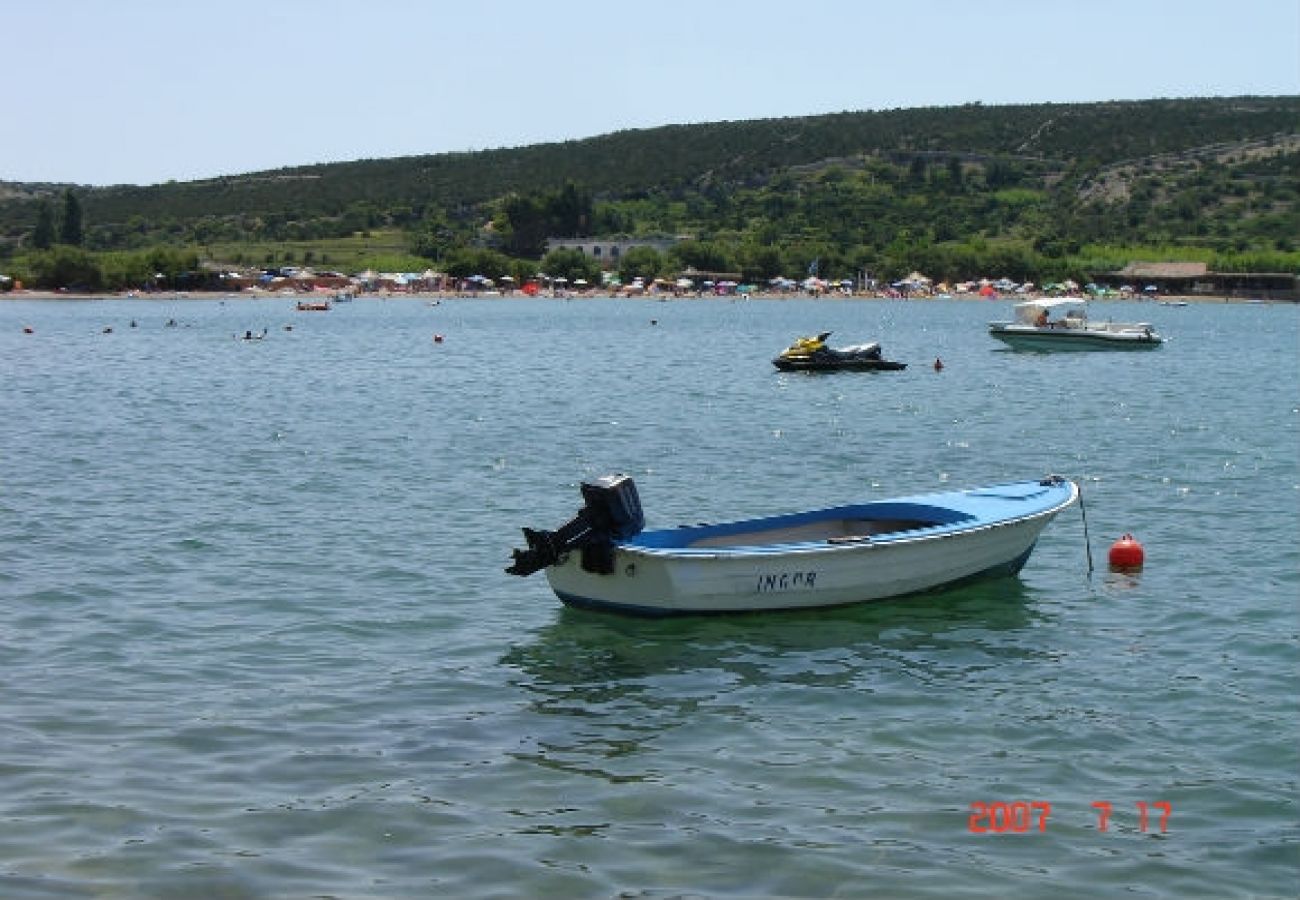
(609, 251)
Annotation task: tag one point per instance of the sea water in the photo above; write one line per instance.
(256, 639)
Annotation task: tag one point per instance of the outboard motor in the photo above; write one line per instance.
(612, 512)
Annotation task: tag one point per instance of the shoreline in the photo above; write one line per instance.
(183, 296)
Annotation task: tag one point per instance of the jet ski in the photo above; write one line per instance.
(810, 354)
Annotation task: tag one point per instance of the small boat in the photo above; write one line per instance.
(810, 354)
(1063, 324)
(834, 556)
(313, 305)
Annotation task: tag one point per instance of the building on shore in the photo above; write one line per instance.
(609, 251)
(1195, 279)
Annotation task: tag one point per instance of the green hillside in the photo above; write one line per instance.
(1021, 190)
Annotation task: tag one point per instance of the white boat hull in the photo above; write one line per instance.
(1063, 324)
(677, 580)
(1090, 338)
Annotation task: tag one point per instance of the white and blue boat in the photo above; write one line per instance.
(834, 556)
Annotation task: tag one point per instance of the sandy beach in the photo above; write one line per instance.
(180, 296)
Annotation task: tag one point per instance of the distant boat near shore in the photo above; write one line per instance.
(1063, 324)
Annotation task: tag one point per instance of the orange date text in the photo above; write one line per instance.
(1023, 816)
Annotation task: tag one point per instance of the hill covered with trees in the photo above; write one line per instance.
(1039, 191)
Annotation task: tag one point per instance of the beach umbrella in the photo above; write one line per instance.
(1151, 288)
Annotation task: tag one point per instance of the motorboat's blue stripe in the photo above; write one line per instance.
(1063, 336)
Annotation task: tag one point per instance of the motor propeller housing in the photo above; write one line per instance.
(611, 512)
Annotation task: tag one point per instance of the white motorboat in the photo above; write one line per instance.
(1063, 324)
(824, 557)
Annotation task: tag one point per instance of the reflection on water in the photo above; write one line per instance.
(605, 687)
(1118, 579)
(583, 648)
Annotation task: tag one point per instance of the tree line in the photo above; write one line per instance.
(1022, 191)
(66, 229)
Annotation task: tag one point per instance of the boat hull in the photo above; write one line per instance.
(1030, 338)
(858, 365)
(992, 531)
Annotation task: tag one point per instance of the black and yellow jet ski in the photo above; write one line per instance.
(811, 354)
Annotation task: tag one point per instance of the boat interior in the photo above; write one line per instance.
(835, 531)
(837, 525)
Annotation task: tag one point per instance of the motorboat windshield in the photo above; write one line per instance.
(1039, 312)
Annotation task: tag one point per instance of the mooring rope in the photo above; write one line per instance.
(1087, 543)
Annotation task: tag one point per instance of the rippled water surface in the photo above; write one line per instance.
(255, 637)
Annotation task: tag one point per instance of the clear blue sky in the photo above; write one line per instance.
(143, 91)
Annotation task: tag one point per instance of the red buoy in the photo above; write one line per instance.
(938, 364)
(1127, 553)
